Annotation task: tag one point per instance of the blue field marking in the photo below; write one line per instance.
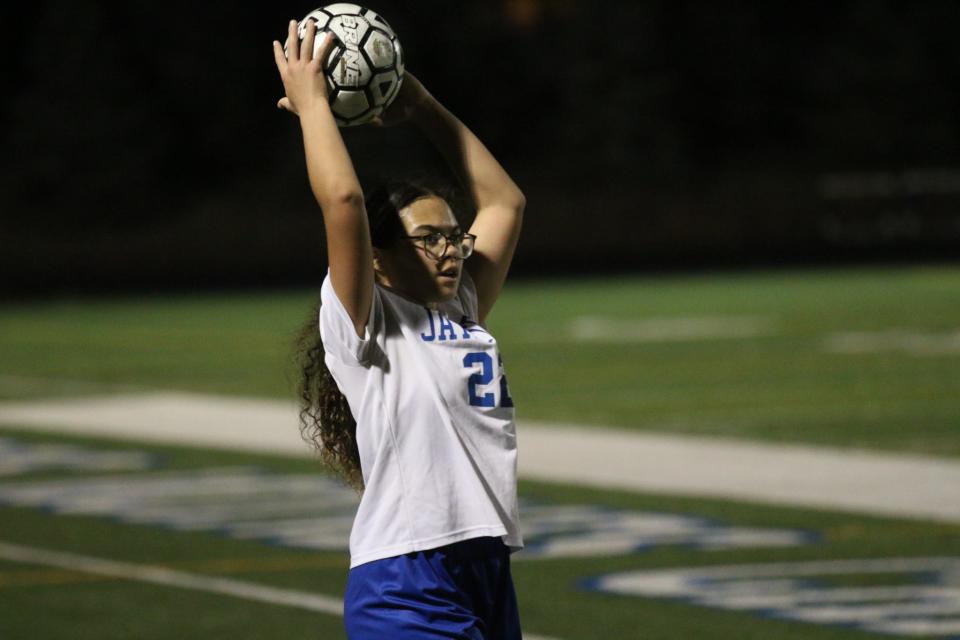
(565, 530)
(929, 605)
(315, 511)
(20, 458)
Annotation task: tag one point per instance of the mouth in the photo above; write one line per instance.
(450, 273)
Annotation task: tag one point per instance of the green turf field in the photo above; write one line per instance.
(780, 384)
(855, 357)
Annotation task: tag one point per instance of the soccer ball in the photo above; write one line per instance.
(365, 68)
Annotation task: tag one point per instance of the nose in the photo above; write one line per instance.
(456, 247)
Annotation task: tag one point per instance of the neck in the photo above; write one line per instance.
(384, 282)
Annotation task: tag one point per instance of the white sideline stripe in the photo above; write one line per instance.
(901, 486)
(171, 578)
(883, 484)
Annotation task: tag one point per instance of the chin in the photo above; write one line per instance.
(445, 294)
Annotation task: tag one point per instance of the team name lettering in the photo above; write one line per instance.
(445, 329)
(350, 67)
(350, 30)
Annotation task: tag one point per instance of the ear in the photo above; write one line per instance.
(377, 264)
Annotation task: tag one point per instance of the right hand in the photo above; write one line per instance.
(303, 77)
(411, 97)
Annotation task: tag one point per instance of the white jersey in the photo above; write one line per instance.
(435, 423)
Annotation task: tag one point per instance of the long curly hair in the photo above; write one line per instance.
(326, 421)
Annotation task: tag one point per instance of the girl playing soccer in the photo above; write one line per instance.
(404, 391)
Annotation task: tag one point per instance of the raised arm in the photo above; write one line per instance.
(332, 177)
(498, 200)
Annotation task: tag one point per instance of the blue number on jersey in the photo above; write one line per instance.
(483, 377)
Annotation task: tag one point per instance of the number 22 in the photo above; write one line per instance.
(485, 377)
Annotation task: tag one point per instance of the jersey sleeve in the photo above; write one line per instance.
(337, 332)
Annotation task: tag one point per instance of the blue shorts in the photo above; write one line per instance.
(463, 590)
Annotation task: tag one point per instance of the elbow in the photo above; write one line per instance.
(340, 199)
(349, 198)
(521, 202)
(517, 202)
(518, 206)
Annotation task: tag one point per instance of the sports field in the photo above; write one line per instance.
(843, 358)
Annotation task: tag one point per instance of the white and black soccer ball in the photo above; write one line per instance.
(365, 68)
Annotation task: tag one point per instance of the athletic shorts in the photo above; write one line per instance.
(463, 590)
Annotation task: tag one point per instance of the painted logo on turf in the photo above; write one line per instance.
(313, 511)
(902, 596)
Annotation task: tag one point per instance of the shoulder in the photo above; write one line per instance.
(337, 331)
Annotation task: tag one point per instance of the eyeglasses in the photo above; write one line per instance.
(435, 244)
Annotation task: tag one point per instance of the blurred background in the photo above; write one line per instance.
(742, 235)
(143, 148)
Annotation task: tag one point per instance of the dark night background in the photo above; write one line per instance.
(142, 146)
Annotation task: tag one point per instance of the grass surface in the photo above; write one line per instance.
(782, 385)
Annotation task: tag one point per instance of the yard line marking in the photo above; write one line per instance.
(912, 342)
(668, 328)
(31, 577)
(856, 481)
(172, 578)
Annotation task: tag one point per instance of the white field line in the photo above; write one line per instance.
(171, 578)
(668, 328)
(693, 328)
(907, 341)
(882, 484)
(180, 579)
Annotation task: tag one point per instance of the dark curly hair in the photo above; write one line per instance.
(325, 418)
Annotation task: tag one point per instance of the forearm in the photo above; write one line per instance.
(488, 183)
(330, 170)
(335, 185)
(332, 178)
